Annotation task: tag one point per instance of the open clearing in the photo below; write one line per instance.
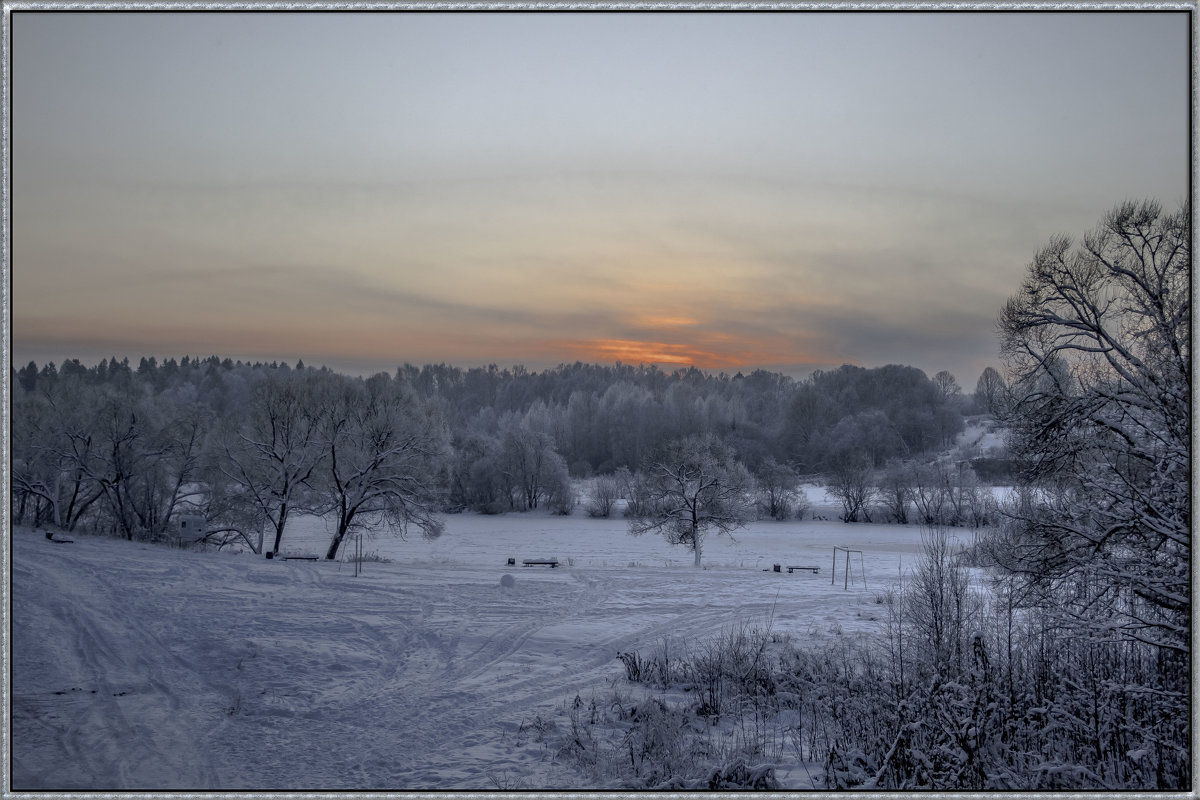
(142, 667)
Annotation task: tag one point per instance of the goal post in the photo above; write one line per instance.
(846, 570)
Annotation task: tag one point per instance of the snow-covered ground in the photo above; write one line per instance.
(143, 667)
(983, 436)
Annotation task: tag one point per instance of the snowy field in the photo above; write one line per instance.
(143, 667)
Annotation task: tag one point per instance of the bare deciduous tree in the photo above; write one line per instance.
(273, 453)
(990, 391)
(695, 485)
(947, 385)
(896, 491)
(52, 453)
(1099, 343)
(384, 455)
(1098, 347)
(605, 491)
(777, 492)
(850, 481)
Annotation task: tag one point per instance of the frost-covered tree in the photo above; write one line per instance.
(476, 481)
(118, 457)
(27, 376)
(126, 451)
(385, 453)
(273, 452)
(533, 468)
(163, 485)
(603, 494)
(53, 458)
(947, 385)
(693, 486)
(867, 436)
(777, 490)
(1100, 337)
(851, 481)
(1098, 347)
(990, 391)
(895, 490)
(949, 495)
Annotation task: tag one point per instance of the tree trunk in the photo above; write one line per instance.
(335, 544)
(343, 527)
(344, 520)
(283, 512)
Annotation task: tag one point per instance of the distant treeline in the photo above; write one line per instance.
(606, 417)
(504, 439)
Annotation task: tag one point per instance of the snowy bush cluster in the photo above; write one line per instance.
(940, 493)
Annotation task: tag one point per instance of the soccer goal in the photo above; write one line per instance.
(847, 569)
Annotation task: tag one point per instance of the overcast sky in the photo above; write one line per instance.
(730, 190)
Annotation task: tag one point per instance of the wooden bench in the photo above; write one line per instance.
(300, 558)
(533, 562)
(813, 570)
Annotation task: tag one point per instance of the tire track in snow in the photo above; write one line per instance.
(412, 676)
(122, 707)
(478, 702)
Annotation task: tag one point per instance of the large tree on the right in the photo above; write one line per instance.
(1097, 344)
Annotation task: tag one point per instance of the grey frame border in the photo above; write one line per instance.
(9, 6)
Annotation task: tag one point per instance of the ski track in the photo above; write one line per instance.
(116, 706)
(137, 667)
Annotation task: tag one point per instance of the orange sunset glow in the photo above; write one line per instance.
(633, 352)
(712, 353)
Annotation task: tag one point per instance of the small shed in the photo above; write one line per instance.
(191, 526)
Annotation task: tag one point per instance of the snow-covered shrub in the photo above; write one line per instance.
(562, 498)
(639, 503)
(662, 669)
(801, 507)
(895, 492)
(739, 775)
(776, 496)
(367, 558)
(958, 691)
(850, 481)
(846, 770)
(730, 667)
(604, 492)
(637, 669)
(627, 742)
